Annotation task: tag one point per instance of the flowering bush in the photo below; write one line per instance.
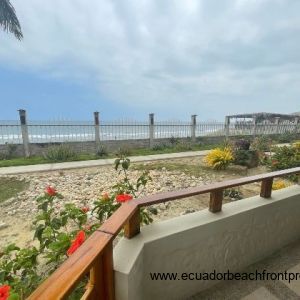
(280, 184)
(296, 145)
(80, 238)
(242, 144)
(219, 158)
(6, 294)
(60, 231)
(123, 198)
(261, 144)
(284, 157)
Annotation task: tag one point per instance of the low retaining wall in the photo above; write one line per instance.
(243, 233)
(40, 149)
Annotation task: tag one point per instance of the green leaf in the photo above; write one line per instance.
(56, 223)
(117, 163)
(13, 296)
(10, 248)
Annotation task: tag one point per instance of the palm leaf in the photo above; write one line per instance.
(8, 19)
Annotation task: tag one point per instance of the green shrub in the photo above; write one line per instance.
(285, 157)
(248, 158)
(160, 147)
(9, 152)
(287, 137)
(233, 194)
(124, 150)
(174, 140)
(242, 144)
(184, 146)
(61, 229)
(3, 156)
(101, 151)
(262, 143)
(61, 152)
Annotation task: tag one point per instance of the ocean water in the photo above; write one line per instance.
(51, 132)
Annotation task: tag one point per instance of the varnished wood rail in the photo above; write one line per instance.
(95, 256)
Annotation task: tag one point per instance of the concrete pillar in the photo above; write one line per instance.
(277, 119)
(24, 130)
(193, 127)
(151, 130)
(254, 122)
(227, 124)
(296, 129)
(97, 127)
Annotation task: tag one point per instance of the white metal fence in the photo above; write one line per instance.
(52, 132)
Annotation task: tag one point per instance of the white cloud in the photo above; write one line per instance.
(171, 55)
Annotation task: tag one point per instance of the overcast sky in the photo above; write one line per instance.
(173, 58)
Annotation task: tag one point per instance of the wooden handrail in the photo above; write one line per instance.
(168, 196)
(95, 255)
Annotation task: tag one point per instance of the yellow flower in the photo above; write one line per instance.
(280, 184)
(296, 145)
(219, 158)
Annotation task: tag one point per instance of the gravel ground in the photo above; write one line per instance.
(83, 186)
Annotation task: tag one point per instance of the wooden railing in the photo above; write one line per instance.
(95, 256)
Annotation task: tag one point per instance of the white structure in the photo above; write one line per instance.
(243, 233)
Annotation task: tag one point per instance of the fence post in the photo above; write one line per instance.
(151, 130)
(101, 280)
(193, 127)
(254, 126)
(132, 226)
(97, 128)
(227, 124)
(24, 130)
(215, 202)
(266, 188)
(277, 124)
(296, 124)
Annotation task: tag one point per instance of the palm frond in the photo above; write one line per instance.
(8, 19)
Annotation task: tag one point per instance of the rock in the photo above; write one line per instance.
(189, 211)
(3, 226)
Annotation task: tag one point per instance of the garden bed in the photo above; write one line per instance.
(83, 186)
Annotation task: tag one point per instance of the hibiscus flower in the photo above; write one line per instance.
(4, 292)
(80, 238)
(50, 191)
(85, 209)
(123, 198)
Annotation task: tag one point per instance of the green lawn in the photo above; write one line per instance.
(34, 160)
(9, 187)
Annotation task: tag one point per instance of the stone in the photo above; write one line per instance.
(3, 226)
(189, 211)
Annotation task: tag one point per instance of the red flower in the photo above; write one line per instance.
(85, 209)
(80, 237)
(50, 191)
(4, 292)
(123, 198)
(274, 162)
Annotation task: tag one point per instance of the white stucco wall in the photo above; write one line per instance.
(244, 232)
